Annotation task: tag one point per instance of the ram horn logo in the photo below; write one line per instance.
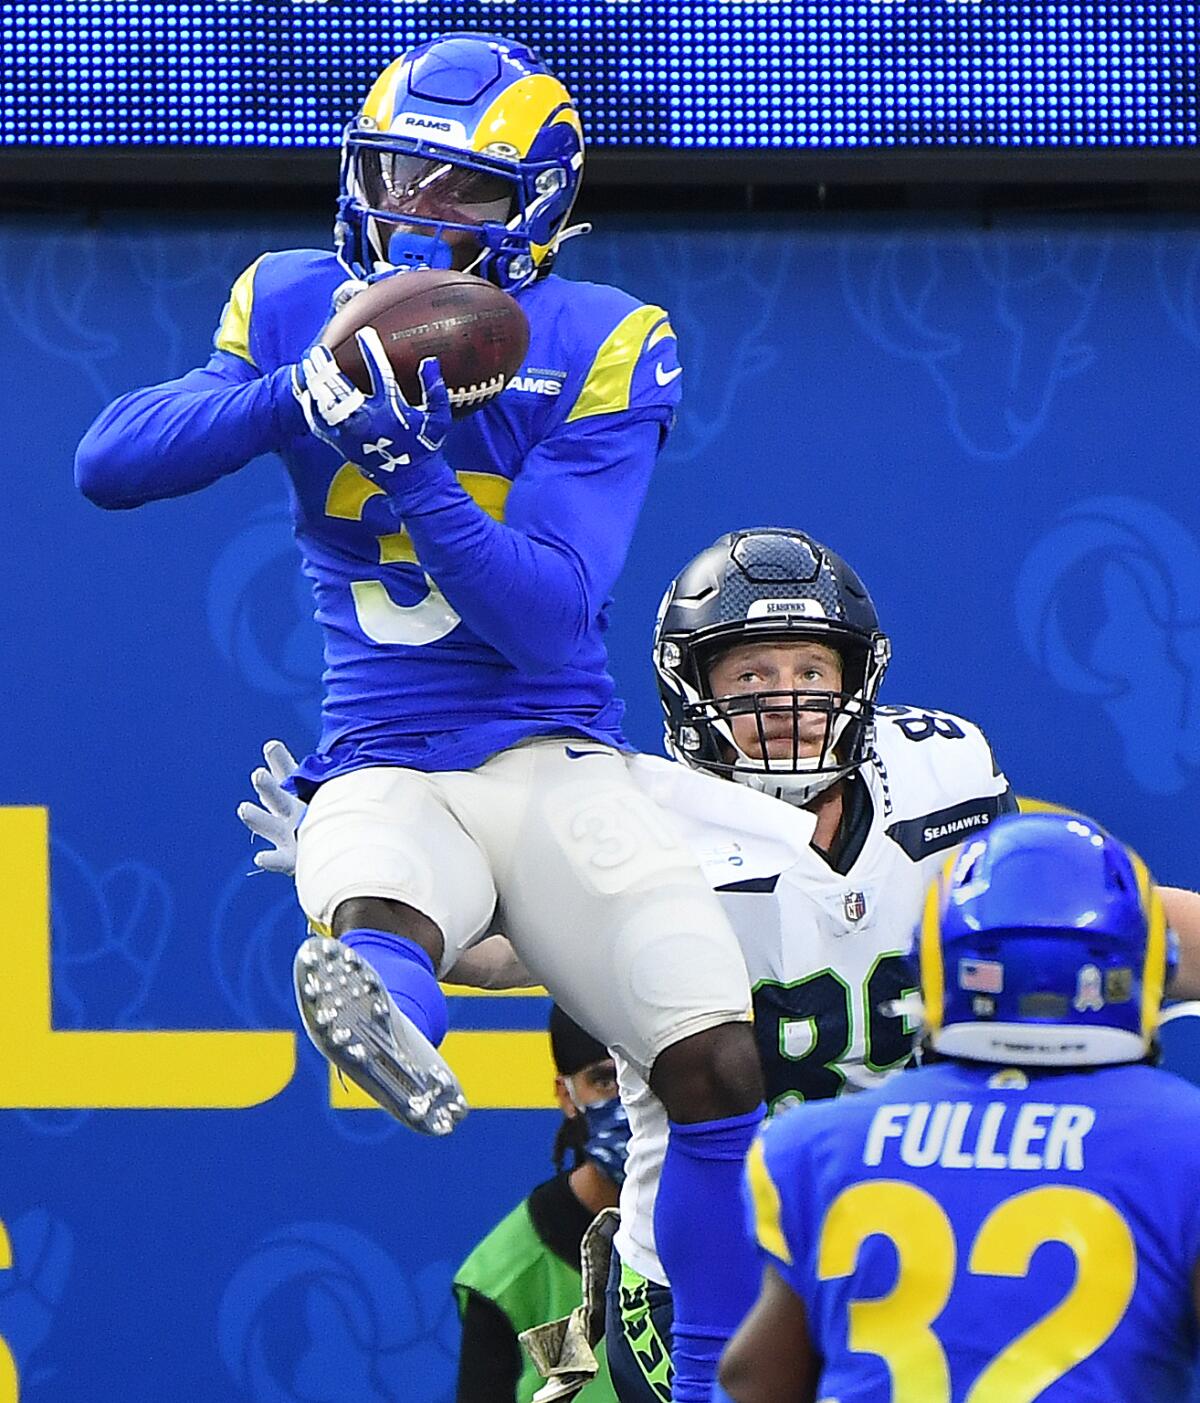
(1108, 604)
(997, 327)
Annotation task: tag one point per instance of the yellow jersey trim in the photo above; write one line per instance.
(609, 384)
(233, 335)
(768, 1210)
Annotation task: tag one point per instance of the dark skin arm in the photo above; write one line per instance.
(772, 1358)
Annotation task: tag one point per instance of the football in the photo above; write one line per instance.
(477, 332)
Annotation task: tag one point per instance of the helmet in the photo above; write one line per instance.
(468, 140)
(1044, 943)
(768, 585)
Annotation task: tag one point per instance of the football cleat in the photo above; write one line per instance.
(353, 1021)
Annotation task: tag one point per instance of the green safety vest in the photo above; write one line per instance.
(531, 1284)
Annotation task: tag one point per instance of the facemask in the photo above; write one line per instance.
(608, 1137)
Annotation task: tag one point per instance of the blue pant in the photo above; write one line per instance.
(637, 1335)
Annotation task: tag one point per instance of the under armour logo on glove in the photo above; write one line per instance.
(387, 463)
(380, 431)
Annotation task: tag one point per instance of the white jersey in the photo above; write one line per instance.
(827, 952)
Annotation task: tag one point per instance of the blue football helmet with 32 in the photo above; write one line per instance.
(468, 153)
(1044, 943)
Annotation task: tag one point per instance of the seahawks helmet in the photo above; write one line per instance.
(768, 585)
(1044, 943)
(467, 140)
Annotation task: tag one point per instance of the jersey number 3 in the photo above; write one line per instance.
(378, 614)
(898, 1327)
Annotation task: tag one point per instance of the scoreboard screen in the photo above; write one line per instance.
(691, 79)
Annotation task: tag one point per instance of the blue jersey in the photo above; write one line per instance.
(467, 612)
(967, 1233)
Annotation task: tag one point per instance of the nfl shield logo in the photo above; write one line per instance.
(854, 904)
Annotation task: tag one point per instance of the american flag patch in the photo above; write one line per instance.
(981, 976)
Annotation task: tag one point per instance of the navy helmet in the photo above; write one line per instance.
(1044, 943)
(769, 584)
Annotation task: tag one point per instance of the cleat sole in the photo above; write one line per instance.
(353, 1023)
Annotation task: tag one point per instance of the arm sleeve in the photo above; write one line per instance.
(531, 585)
(175, 438)
(489, 1360)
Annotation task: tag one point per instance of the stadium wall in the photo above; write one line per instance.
(997, 426)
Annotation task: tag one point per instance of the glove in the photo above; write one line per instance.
(280, 814)
(380, 432)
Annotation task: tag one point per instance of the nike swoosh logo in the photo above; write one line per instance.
(664, 377)
(580, 754)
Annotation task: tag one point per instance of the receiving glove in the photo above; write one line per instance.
(279, 817)
(379, 432)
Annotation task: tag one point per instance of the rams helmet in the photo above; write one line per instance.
(1044, 943)
(467, 152)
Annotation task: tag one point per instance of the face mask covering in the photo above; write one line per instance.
(608, 1137)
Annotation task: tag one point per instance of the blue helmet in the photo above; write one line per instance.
(467, 152)
(1044, 943)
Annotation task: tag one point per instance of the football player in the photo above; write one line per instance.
(471, 755)
(769, 654)
(1021, 1218)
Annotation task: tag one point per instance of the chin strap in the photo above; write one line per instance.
(796, 788)
(572, 231)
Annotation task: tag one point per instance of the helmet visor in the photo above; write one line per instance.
(396, 182)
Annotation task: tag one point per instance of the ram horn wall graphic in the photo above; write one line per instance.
(998, 325)
(1108, 604)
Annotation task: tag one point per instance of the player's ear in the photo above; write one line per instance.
(563, 1097)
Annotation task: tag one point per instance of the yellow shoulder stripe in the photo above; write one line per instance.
(609, 382)
(768, 1211)
(233, 335)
